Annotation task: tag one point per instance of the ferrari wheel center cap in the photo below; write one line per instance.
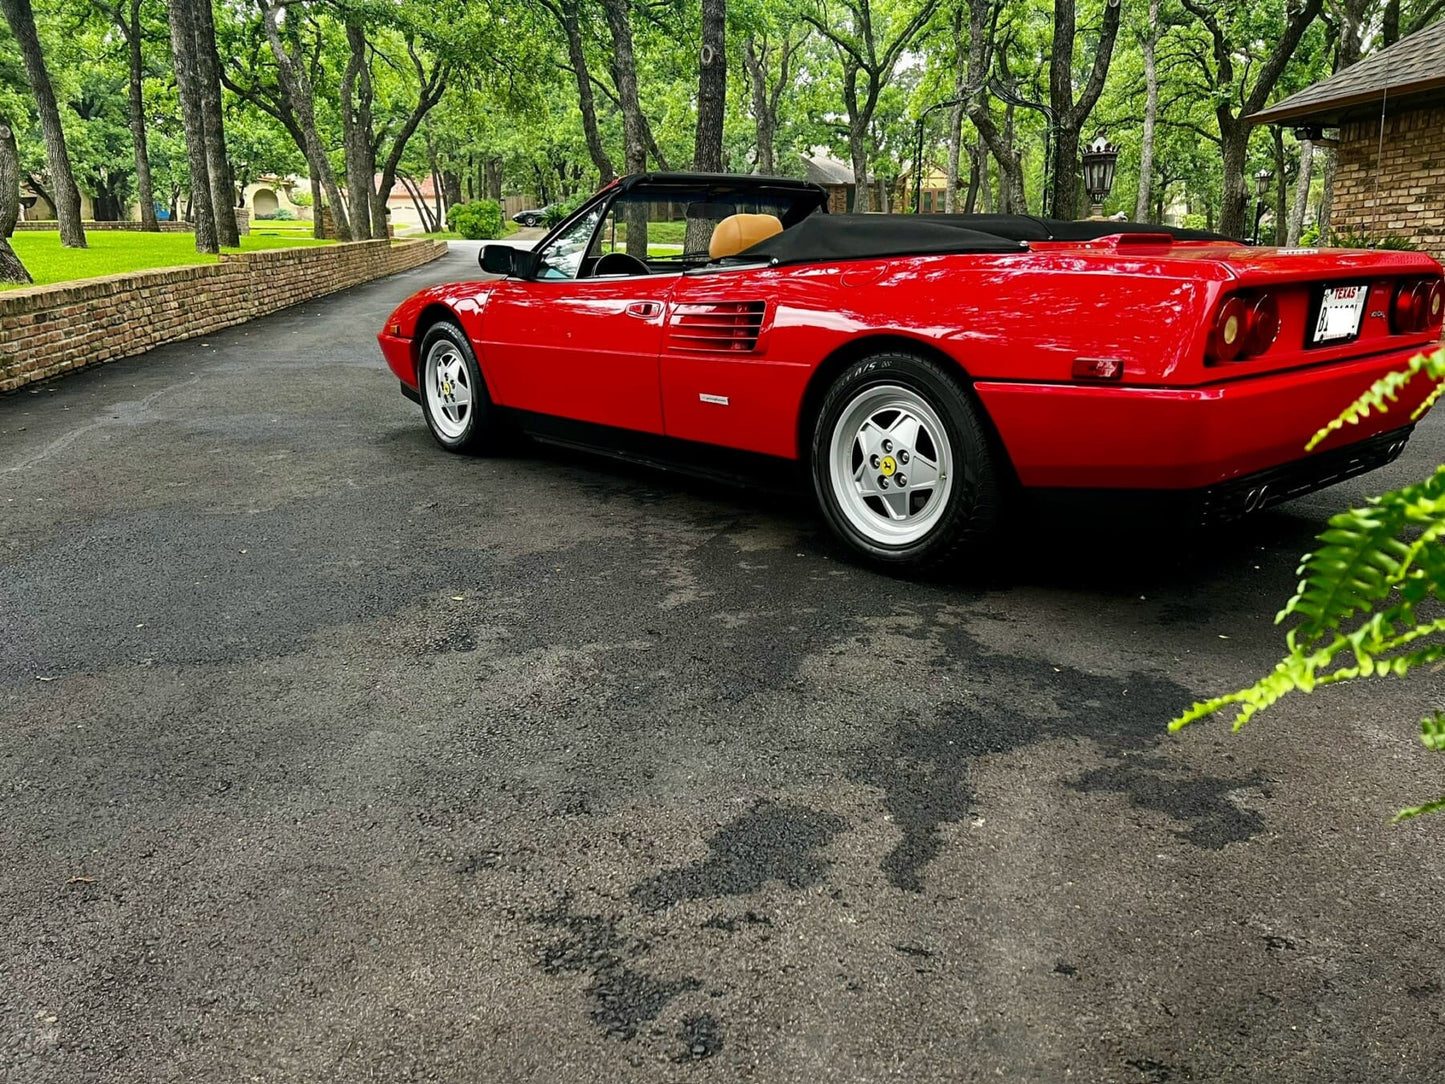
(887, 466)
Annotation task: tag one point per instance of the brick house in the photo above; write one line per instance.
(1396, 184)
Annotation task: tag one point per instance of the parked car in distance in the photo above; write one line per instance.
(920, 370)
(533, 217)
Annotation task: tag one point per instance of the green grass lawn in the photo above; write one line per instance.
(294, 228)
(111, 253)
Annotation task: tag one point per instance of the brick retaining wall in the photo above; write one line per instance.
(1396, 188)
(48, 330)
(36, 225)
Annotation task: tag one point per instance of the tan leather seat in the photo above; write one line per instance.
(738, 232)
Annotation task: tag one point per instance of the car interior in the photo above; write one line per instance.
(672, 229)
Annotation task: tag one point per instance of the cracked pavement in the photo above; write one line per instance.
(328, 755)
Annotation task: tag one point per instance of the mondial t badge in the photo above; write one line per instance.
(887, 466)
(720, 400)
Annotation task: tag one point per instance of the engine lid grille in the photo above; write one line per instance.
(729, 327)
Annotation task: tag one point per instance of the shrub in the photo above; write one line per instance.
(300, 197)
(283, 215)
(263, 218)
(556, 212)
(1362, 239)
(480, 220)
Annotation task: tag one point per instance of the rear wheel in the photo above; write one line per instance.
(454, 397)
(902, 466)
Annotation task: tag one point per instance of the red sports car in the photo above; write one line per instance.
(922, 368)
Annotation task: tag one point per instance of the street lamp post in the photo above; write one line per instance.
(918, 157)
(1098, 160)
(1261, 186)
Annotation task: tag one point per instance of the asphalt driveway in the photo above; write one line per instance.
(325, 755)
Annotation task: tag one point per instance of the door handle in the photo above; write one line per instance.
(644, 309)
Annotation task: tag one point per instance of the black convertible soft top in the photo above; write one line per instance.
(860, 237)
(1032, 228)
(825, 237)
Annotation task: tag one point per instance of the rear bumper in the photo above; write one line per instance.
(1232, 500)
(397, 352)
(1092, 437)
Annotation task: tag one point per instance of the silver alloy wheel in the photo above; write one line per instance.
(448, 387)
(891, 465)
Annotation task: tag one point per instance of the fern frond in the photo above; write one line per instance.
(1419, 810)
(1375, 566)
(1429, 401)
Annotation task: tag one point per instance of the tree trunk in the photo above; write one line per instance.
(218, 166)
(712, 86)
(1234, 211)
(634, 140)
(1281, 187)
(1391, 27)
(1151, 114)
(858, 154)
(296, 85)
(423, 212)
(566, 13)
(11, 269)
(764, 122)
(21, 20)
(1301, 193)
(356, 125)
(183, 54)
(1065, 203)
(1069, 115)
(981, 30)
(145, 188)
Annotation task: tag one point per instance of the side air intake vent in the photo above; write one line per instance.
(729, 327)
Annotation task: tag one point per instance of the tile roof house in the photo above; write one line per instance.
(822, 168)
(1392, 182)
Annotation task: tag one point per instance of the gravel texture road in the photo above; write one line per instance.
(325, 755)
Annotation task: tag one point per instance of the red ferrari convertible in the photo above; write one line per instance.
(921, 368)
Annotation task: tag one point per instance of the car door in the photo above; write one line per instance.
(722, 380)
(579, 348)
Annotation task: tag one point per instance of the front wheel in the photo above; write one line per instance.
(454, 397)
(902, 465)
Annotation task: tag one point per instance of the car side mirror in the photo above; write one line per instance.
(503, 260)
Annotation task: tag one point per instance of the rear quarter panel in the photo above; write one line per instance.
(1021, 318)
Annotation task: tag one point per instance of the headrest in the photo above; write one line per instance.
(738, 232)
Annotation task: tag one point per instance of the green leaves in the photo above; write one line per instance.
(1369, 597)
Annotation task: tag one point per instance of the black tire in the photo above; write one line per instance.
(968, 522)
(481, 430)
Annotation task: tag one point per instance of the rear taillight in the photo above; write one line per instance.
(1244, 328)
(1263, 325)
(1418, 305)
(1230, 330)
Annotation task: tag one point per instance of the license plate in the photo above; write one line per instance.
(1340, 311)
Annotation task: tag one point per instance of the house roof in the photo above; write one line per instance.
(398, 190)
(1409, 67)
(823, 168)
